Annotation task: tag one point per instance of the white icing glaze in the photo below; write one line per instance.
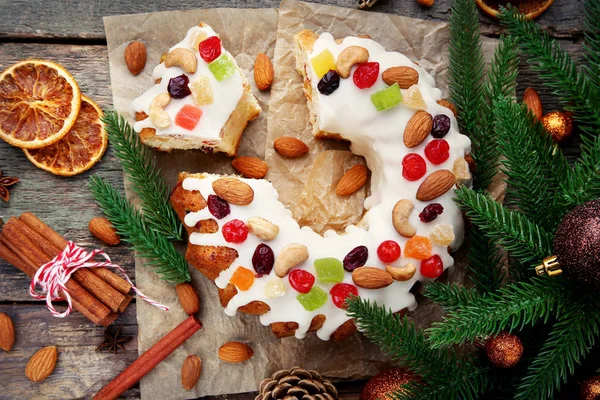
(378, 136)
(226, 94)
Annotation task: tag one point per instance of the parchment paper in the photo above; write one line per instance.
(305, 185)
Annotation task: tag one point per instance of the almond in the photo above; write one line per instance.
(447, 104)
(532, 101)
(190, 372)
(7, 332)
(103, 230)
(417, 129)
(41, 364)
(188, 298)
(290, 147)
(235, 352)
(234, 191)
(263, 72)
(405, 77)
(371, 278)
(250, 167)
(354, 179)
(135, 57)
(435, 185)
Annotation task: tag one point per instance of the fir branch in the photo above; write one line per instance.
(133, 228)
(583, 183)
(591, 46)
(449, 296)
(511, 229)
(465, 64)
(485, 262)
(145, 178)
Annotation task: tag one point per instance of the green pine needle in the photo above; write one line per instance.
(485, 262)
(150, 244)
(145, 178)
(451, 297)
(583, 182)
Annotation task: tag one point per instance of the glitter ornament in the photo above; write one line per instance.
(385, 383)
(504, 350)
(559, 125)
(590, 389)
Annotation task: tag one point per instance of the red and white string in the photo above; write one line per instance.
(52, 277)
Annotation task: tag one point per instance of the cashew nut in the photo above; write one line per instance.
(262, 228)
(350, 56)
(159, 117)
(291, 256)
(183, 58)
(403, 273)
(400, 215)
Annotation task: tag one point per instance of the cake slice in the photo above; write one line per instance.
(201, 99)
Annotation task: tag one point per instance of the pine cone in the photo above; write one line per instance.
(296, 384)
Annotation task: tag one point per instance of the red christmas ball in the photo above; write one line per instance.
(382, 385)
(504, 350)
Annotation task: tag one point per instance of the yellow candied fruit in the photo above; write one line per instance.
(202, 93)
(197, 38)
(418, 247)
(274, 288)
(322, 63)
(242, 278)
(442, 235)
(412, 98)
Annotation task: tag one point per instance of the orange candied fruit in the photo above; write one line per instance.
(242, 278)
(418, 247)
(188, 117)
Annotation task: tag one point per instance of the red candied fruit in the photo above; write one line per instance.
(437, 151)
(235, 231)
(210, 48)
(388, 251)
(356, 258)
(218, 207)
(263, 259)
(301, 280)
(365, 75)
(431, 212)
(340, 292)
(413, 167)
(188, 117)
(432, 267)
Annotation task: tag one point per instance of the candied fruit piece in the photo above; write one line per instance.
(413, 167)
(388, 251)
(235, 231)
(441, 126)
(274, 288)
(365, 75)
(210, 49)
(418, 247)
(387, 98)
(431, 212)
(222, 68)
(322, 63)
(313, 300)
(202, 93)
(357, 257)
(329, 269)
(188, 117)
(442, 234)
(437, 151)
(242, 278)
(218, 207)
(432, 267)
(178, 87)
(412, 98)
(329, 83)
(263, 259)
(301, 280)
(197, 38)
(340, 292)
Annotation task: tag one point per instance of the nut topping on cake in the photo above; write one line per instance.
(405, 77)
(262, 228)
(350, 56)
(183, 58)
(233, 191)
(435, 185)
(371, 278)
(158, 115)
(417, 129)
(354, 179)
(400, 214)
(250, 167)
(291, 256)
(402, 274)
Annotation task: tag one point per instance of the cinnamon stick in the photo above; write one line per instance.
(12, 258)
(150, 359)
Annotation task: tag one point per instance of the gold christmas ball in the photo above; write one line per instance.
(531, 8)
(382, 385)
(590, 389)
(504, 350)
(559, 125)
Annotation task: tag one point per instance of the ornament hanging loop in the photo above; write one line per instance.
(366, 3)
(549, 266)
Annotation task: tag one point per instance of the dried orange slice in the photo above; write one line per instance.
(80, 149)
(39, 103)
(531, 8)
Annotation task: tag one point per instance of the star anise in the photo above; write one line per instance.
(5, 182)
(113, 341)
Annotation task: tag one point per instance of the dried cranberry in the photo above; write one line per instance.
(356, 258)
(437, 151)
(365, 75)
(388, 251)
(178, 87)
(430, 212)
(210, 48)
(263, 259)
(218, 207)
(441, 126)
(432, 267)
(329, 82)
(341, 292)
(301, 280)
(235, 231)
(413, 167)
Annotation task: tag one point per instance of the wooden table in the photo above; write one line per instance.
(72, 33)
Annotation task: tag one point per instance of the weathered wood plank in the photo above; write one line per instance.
(40, 19)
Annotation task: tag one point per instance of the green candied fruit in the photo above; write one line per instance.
(387, 98)
(314, 299)
(223, 67)
(329, 270)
